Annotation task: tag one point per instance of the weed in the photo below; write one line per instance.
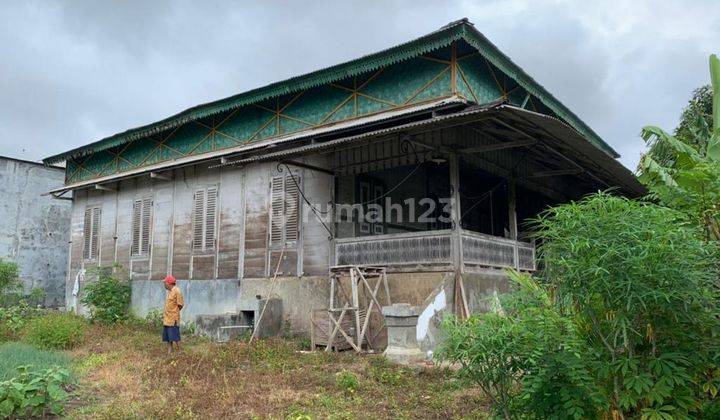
(154, 319)
(190, 328)
(348, 382)
(14, 318)
(9, 280)
(304, 343)
(55, 331)
(92, 361)
(36, 297)
(383, 372)
(286, 331)
(297, 412)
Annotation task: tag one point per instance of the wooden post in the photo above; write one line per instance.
(512, 213)
(332, 291)
(455, 215)
(512, 219)
(355, 302)
(455, 210)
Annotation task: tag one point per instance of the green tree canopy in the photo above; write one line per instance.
(683, 171)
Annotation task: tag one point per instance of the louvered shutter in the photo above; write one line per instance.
(146, 224)
(87, 227)
(210, 216)
(95, 233)
(136, 227)
(284, 211)
(277, 207)
(292, 209)
(141, 223)
(198, 218)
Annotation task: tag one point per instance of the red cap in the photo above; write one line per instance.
(170, 279)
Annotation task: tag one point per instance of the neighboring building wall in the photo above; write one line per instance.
(34, 228)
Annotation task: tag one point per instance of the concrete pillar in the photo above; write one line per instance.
(401, 320)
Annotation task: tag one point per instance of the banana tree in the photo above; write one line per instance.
(690, 182)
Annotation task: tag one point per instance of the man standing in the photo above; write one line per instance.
(171, 314)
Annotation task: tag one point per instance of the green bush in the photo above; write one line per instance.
(15, 354)
(36, 297)
(107, 297)
(34, 393)
(9, 280)
(640, 283)
(55, 331)
(622, 321)
(529, 359)
(14, 318)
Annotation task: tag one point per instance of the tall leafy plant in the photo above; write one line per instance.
(684, 172)
(639, 283)
(528, 360)
(621, 323)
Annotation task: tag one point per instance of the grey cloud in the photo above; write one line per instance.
(73, 72)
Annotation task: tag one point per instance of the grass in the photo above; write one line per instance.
(14, 354)
(124, 373)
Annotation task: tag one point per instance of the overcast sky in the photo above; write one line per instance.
(73, 72)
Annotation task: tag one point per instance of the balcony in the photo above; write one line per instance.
(435, 248)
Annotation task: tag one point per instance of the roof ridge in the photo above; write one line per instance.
(445, 35)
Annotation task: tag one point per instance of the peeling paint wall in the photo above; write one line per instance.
(34, 229)
(239, 268)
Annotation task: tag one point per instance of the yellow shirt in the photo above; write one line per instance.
(171, 313)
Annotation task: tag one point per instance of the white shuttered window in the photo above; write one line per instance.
(91, 233)
(284, 211)
(204, 219)
(141, 225)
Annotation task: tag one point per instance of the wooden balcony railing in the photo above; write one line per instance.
(431, 247)
(492, 251)
(434, 248)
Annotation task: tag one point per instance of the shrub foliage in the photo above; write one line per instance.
(55, 331)
(9, 281)
(34, 393)
(623, 319)
(108, 297)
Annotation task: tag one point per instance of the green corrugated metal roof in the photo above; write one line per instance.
(455, 31)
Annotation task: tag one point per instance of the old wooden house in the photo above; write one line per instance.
(422, 160)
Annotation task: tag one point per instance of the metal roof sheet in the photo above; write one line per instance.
(461, 29)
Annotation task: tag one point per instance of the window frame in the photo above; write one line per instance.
(291, 184)
(92, 233)
(145, 228)
(204, 244)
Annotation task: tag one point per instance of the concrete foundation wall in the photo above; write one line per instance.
(202, 297)
(481, 290)
(34, 229)
(299, 296)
